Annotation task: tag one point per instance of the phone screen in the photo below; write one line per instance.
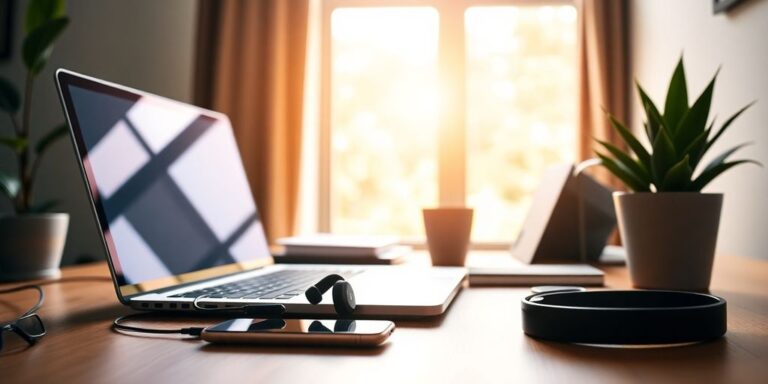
(358, 327)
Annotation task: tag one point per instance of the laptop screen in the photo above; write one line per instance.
(167, 184)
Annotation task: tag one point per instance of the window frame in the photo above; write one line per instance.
(451, 141)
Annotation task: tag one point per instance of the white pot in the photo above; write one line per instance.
(670, 237)
(31, 245)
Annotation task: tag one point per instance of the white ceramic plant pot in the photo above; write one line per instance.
(670, 237)
(31, 245)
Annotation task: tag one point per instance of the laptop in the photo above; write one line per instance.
(178, 221)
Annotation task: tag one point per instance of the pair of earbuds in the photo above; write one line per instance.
(343, 295)
(343, 299)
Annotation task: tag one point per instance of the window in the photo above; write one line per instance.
(521, 108)
(384, 118)
(430, 103)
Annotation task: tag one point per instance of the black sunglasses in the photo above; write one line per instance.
(29, 327)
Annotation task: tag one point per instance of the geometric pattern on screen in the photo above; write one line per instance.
(173, 182)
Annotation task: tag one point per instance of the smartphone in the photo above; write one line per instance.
(300, 332)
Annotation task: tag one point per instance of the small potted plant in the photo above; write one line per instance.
(32, 240)
(668, 226)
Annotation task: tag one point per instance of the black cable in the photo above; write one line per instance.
(38, 287)
(119, 327)
(248, 310)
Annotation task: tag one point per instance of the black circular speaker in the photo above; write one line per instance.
(624, 317)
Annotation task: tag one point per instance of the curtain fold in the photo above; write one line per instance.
(250, 65)
(603, 75)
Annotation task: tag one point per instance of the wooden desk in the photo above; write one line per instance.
(479, 340)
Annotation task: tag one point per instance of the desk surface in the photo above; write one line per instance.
(478, 340)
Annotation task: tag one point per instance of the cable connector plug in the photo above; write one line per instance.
(192, 331)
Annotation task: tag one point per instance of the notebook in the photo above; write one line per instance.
(539, 274)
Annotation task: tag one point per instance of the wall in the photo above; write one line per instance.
(146, 44)
(660, 31)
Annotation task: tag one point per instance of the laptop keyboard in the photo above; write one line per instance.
(280, 285)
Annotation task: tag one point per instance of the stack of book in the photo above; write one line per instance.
(326, 248)
(537, 274)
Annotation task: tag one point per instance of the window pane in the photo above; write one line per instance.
(383, 119)
(521, 108)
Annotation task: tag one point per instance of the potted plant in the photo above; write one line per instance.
(32, 240)
(668, 226)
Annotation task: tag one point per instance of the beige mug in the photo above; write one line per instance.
(448, 232)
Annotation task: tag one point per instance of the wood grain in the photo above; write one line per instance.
(478, 340)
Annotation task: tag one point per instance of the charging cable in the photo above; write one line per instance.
(263, 310)
(118, 326)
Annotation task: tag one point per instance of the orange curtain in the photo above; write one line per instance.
(250, 66)
(603, 75)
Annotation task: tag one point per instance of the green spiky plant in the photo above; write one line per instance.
(679, 140)
(45, 21)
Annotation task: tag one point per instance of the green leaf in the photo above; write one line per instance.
(18, 144)
(632, 142)
(725, 126)
(640, 172)
(46, 206)
(695, 120)
(10, 101)
(623, 174)
(38, 44)
(721, 158)
(648, 132)
(705, 177)
(9, 185)
(653, 117)
(57, 133)
(695, 148)
(676, 104)
(40, 12)
(678, 178)
(664, 157)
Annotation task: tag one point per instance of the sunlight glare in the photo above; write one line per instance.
(521, 108)
(384, 116)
